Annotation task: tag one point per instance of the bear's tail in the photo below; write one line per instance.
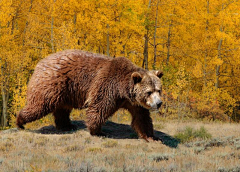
(20, 121)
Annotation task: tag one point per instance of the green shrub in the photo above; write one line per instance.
(202, 133)
(189, 134)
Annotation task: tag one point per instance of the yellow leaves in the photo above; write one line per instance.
(175, 95)
(185, 32)
(217, 61)
(214, 100)
(222, 35)
(198, 70)
(6, 12)
(181, 77)
(179, 87)
(19, 97)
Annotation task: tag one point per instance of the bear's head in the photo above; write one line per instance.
(148, 88)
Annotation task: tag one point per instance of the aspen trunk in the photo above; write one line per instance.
(218, 66)
(206, 51)
(219, 57)
(154, 40)
(145, 52)
(52, 42)
(26, 25)
(52, 36)
(168, 43)
(108, 43)
(5, 97)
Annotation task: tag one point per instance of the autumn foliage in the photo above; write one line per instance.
(196, 43)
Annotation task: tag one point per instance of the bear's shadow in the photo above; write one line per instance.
(112, 130)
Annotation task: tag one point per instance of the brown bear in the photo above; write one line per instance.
(78, 79)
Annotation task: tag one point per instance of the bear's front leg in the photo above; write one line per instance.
(142, 122)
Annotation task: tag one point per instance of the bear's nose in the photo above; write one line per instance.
(159, 104)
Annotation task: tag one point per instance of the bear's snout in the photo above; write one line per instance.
(154, 101)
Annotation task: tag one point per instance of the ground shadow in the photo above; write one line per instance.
(112, 130)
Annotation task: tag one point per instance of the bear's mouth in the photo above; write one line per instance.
(155, 108)
(145, 106)
(150, 108)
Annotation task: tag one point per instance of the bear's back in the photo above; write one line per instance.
(71, 58)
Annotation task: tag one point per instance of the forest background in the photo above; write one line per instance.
(196, 43)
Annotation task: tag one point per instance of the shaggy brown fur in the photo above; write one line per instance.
(77, 79)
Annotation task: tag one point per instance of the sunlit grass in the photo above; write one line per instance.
(28, 150)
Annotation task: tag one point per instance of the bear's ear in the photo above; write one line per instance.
(136, 77)
(158, 73)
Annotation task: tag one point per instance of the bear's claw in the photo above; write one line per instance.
(151, 139)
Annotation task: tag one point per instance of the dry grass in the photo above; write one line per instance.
(46, 149)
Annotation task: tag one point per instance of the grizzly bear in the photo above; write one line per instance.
(78, 79)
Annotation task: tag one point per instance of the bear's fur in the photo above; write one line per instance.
(78, 79)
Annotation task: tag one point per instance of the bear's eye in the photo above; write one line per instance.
(149, 93)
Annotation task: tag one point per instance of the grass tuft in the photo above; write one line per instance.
(73, 148)
(110, 144)
(88, 140)
(189, 134)
(41, 141)
(94, 150)
(159, 157)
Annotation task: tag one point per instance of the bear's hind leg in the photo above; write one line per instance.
(29, 114)
(62, 120)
